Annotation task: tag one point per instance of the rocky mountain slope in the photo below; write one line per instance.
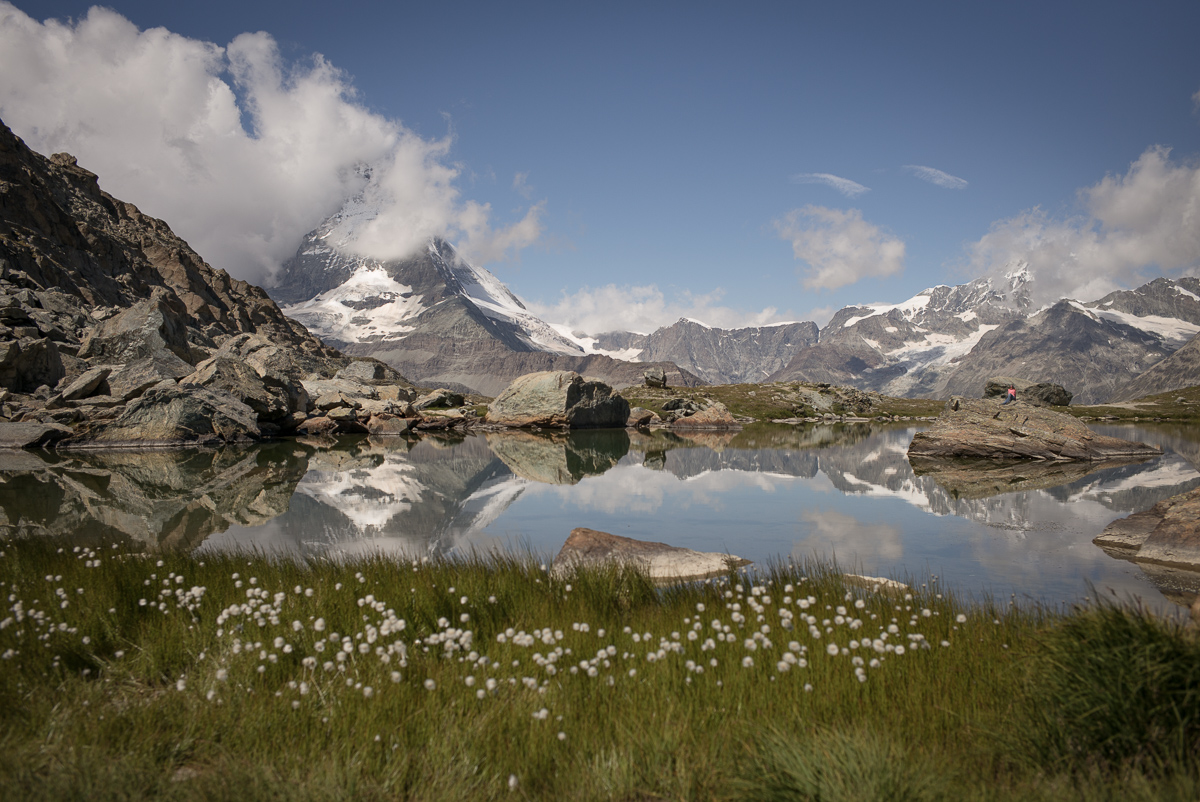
(719, 356)
(433, 316)
(111, 324)
(1181, 369)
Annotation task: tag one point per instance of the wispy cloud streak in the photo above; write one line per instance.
(850, 189)
(936, 176)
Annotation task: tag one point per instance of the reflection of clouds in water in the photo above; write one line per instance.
(853, 541)
(637, 489)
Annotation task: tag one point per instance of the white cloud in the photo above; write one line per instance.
(644, 309)
(843, 185)
(1144, 222)
(839, 246)
(936, 176)
(520, 185)
(239, 151)
(1196, 102)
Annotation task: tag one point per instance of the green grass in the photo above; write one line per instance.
(235, 691)
(765, 402)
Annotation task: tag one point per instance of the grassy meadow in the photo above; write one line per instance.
(126, 676)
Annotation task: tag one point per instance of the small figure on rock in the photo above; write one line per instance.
(1010, 396)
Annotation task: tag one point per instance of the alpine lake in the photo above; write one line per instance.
(843, 492)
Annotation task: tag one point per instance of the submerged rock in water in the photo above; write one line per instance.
(589, 548)
(986, 429)
(1166, 534)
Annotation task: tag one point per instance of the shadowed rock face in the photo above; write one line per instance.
(586, 548)
(984, 429)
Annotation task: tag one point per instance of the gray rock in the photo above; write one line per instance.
(140, 375)
(144, 330)
(1048, 394)
(984, 429)
(238, 379)
(369, 371)
(558, 399)
(440, 398)
(28, 364)
(1166, 534)
(387, 425)
(175, 416)
(588, 548)
(639, 417)
(87, 383)
(1039, 394)
(655, 377)
(31, 435)
(714, 416)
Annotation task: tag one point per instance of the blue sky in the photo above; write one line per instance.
(734, 163)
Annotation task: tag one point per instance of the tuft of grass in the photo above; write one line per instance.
(838, 766)
(1114, 687)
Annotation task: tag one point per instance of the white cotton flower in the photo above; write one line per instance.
(747, 662)
(961, 618)
(832, 649)
(430, 684)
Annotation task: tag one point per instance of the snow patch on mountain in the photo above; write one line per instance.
(1173, 330)
(371, 305)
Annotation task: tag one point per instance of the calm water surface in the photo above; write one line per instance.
(834, 491)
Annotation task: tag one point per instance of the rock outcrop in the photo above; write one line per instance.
(586, 548)
(1166, 534)
(100, 304)
(558, 399)
(985, 429)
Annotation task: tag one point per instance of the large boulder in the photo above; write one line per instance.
(587, 548)
(439, 398)
(1167, 534)
(655, 377)
(1041, 394)
(27, 364)
(714, 416)
(558, 399)
(140, 375)
(1048, 394)
(237, 378)
(31, 435)
(985, 429)
(174, 416)
(150, 328)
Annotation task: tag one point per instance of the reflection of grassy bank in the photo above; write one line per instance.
(456, 679)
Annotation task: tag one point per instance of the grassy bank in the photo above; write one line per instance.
(182, 676)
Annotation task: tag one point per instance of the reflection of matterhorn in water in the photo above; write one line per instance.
(384, 498)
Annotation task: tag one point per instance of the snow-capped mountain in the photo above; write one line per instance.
(440, 320)
(432, 315)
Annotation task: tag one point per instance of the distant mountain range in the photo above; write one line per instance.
(439, 320)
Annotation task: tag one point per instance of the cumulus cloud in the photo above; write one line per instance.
(839, 246)
(1143, 223)
(936, 177)
(843, 185)
(644, 309)
(240, 151)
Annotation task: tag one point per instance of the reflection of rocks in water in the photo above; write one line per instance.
(560, 459)
(1182, 439)
(971, 479)
(162, 499)
(367, 495)
(879, 467)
